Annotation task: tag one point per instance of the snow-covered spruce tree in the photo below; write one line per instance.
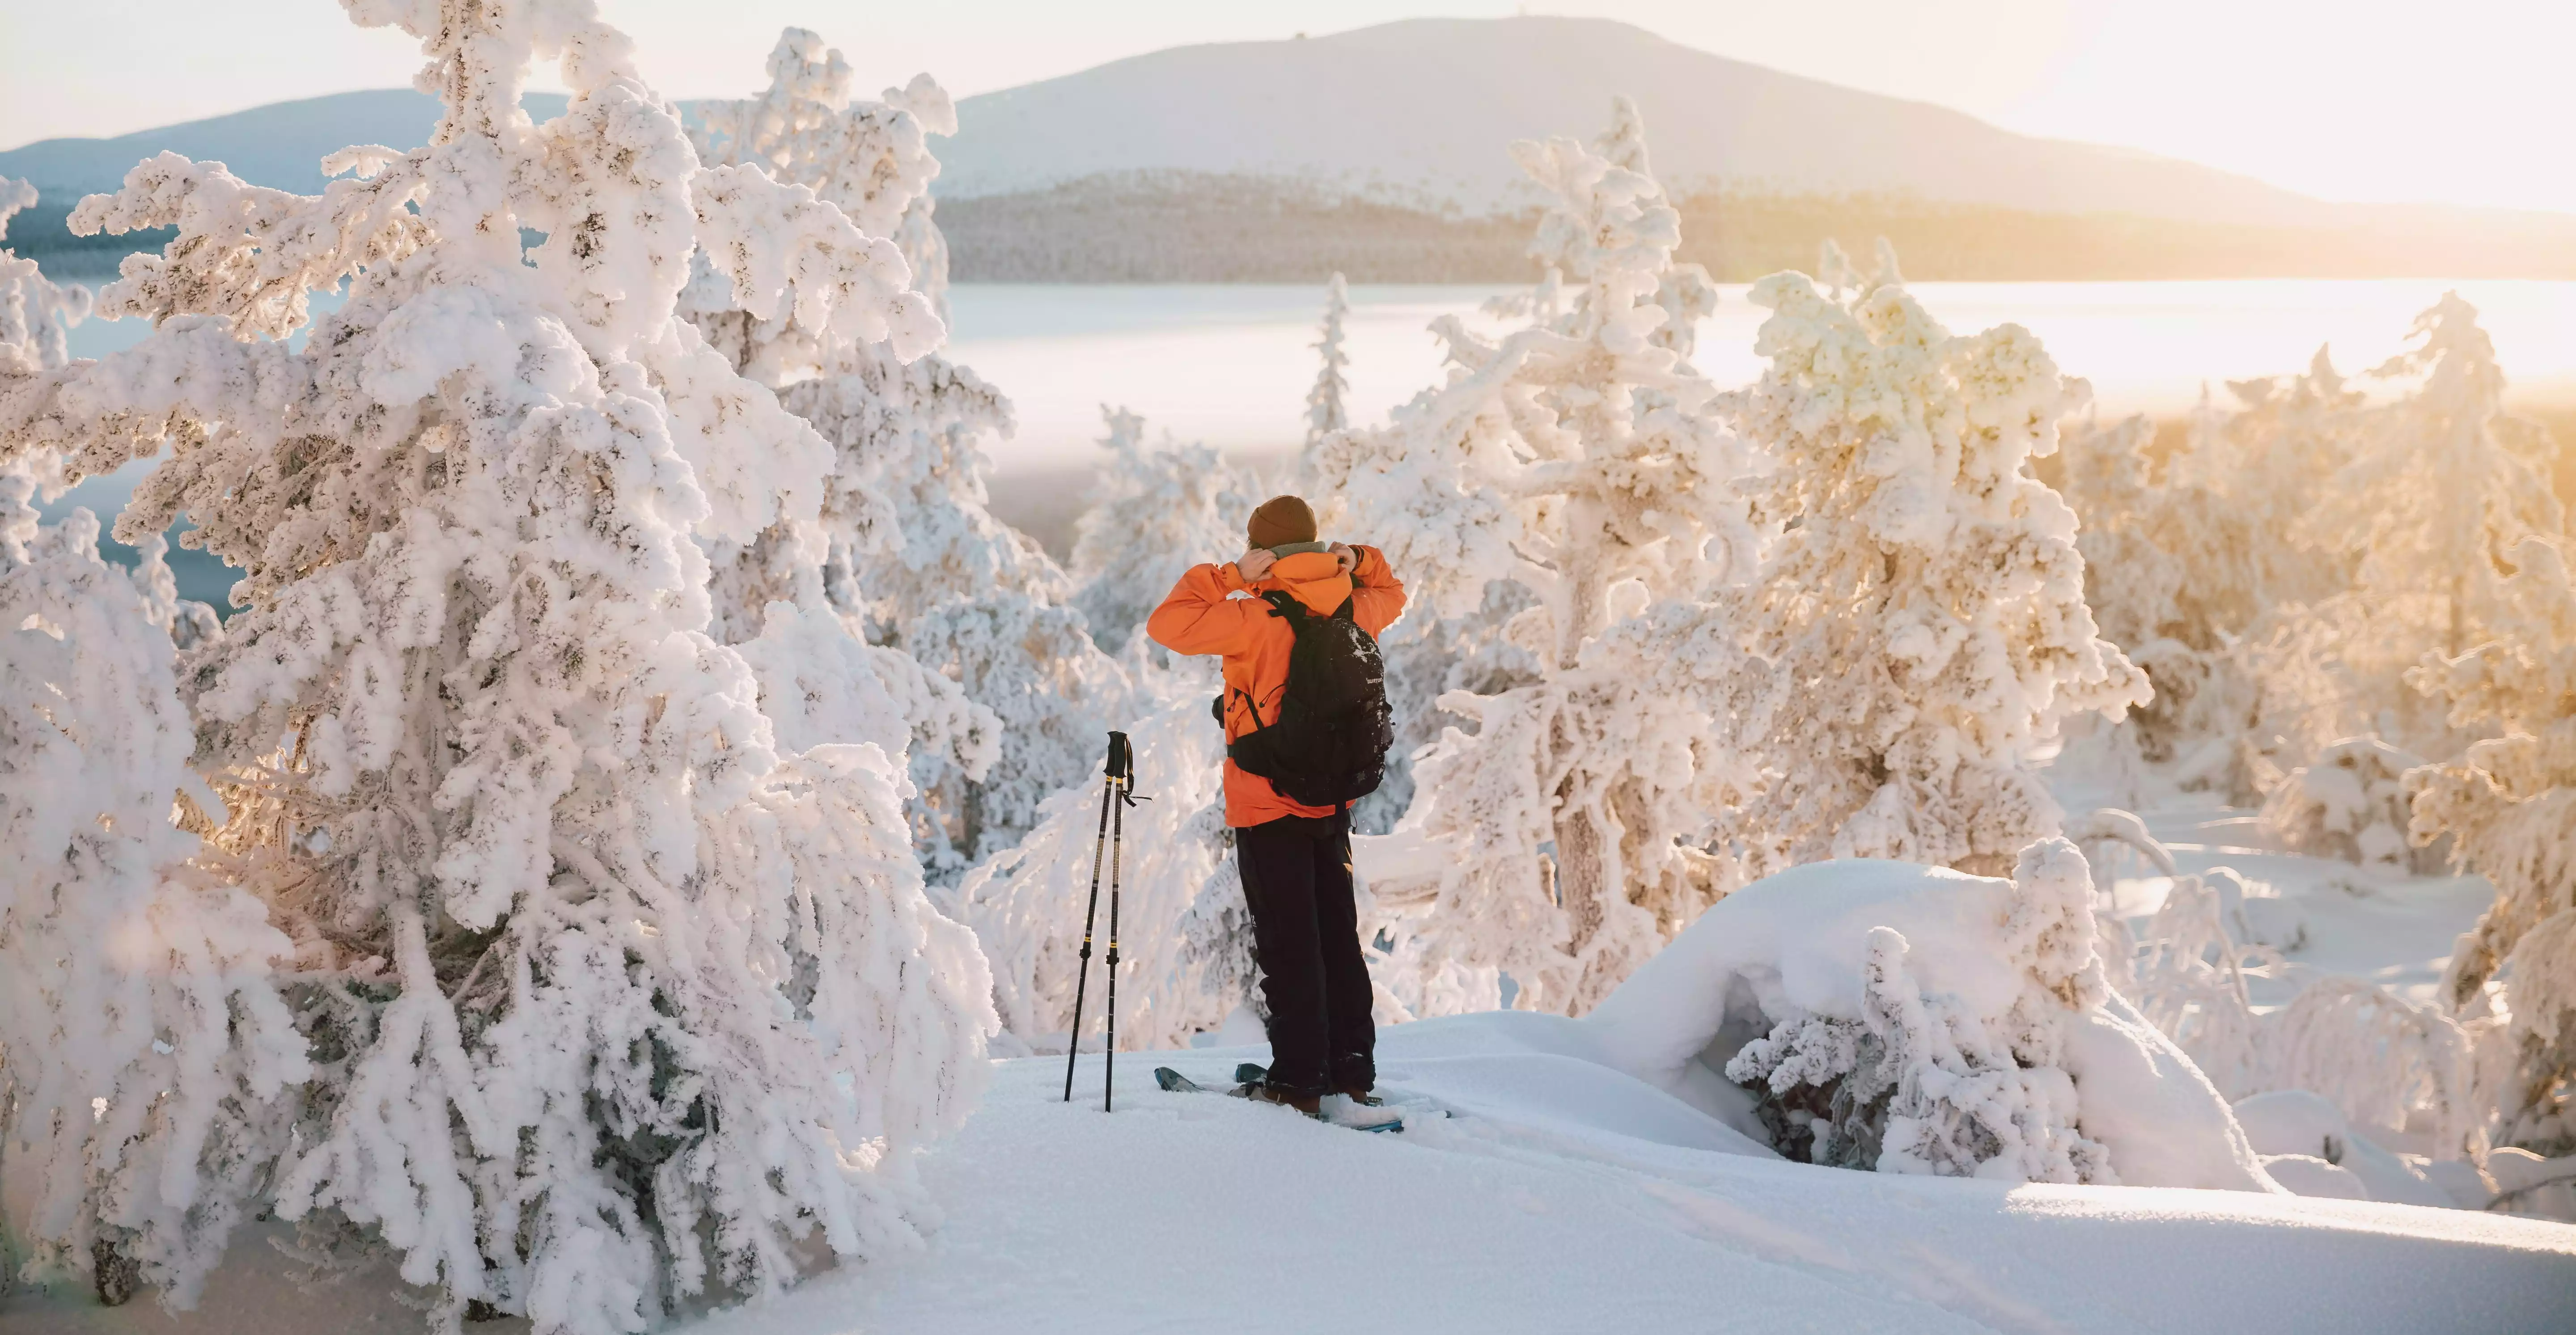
(1921, 624)
(2444, 485)
(1579, 459)
(871, 160)
(2509, 807)
(610, 1003)
(2240, 693)
(36, 314)
(1324, 411)
(141, 1040)
(972, 601)
(905, 547)
(1151, 515)
(1683, 290)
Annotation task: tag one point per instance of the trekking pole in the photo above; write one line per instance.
(1122, 768)
(1082, 977)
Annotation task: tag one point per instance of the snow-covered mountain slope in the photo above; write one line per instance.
(1419, 109)
(1429, 105)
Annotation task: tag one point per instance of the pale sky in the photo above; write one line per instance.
(2451, 101)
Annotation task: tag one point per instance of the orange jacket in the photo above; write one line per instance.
(1198, 618)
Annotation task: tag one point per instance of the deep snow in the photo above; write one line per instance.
(1562, 1195)
(1556, 1195)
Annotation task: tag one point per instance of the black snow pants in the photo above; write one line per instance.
(1305, 929)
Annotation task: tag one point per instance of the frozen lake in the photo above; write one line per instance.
(1230, 364)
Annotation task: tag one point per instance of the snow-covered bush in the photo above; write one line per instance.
(2401, 1068)
(1579, 459)
(1918, 1019)
(1921, 624)
(143, 1043)
(1152, 513)
(2509, 808)
(610, 1002)
(2396, 1067)
(2190, 973)
(2350, 802)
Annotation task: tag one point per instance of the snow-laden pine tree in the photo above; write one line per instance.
(2192, 568)
(143, 1043)
(1683, 290)
(904, 547)
(1153, 512)
(610, 1003)
(1324, 411)
(142, 1040)
(1920, 624)
(2444, 484)
(1580, 459)
(2509, 808)
(36, 313)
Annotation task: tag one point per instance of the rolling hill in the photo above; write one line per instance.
(1419, 110)
(1382, 152)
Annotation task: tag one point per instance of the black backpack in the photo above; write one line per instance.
(1328, 744)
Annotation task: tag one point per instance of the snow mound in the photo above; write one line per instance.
(1920, 1019)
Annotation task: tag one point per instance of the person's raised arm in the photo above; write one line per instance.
(1198, 618)
(1377, 596)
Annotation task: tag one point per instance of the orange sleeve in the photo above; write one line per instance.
(1198, 618)
(1378, 598)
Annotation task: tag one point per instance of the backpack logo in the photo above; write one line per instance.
(1328, 744)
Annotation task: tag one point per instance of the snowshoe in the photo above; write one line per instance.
(1356, 1116)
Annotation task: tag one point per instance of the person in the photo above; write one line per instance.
(1295, 858)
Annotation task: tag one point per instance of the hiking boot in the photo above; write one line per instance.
(1264, 1092)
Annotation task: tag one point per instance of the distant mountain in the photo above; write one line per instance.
(281, 144)
(1429, 105)
(1383, 152)
(1419, 110)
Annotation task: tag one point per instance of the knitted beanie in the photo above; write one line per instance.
(1281, 520)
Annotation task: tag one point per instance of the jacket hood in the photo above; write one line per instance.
(1316, 579)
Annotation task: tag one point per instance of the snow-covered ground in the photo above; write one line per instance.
(1561, 1195)
(1539, 1188)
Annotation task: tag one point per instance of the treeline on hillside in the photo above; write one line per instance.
(1185, 227)
(1179, 227)
(1198, 228)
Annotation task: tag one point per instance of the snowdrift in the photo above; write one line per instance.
(1920, 1019)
